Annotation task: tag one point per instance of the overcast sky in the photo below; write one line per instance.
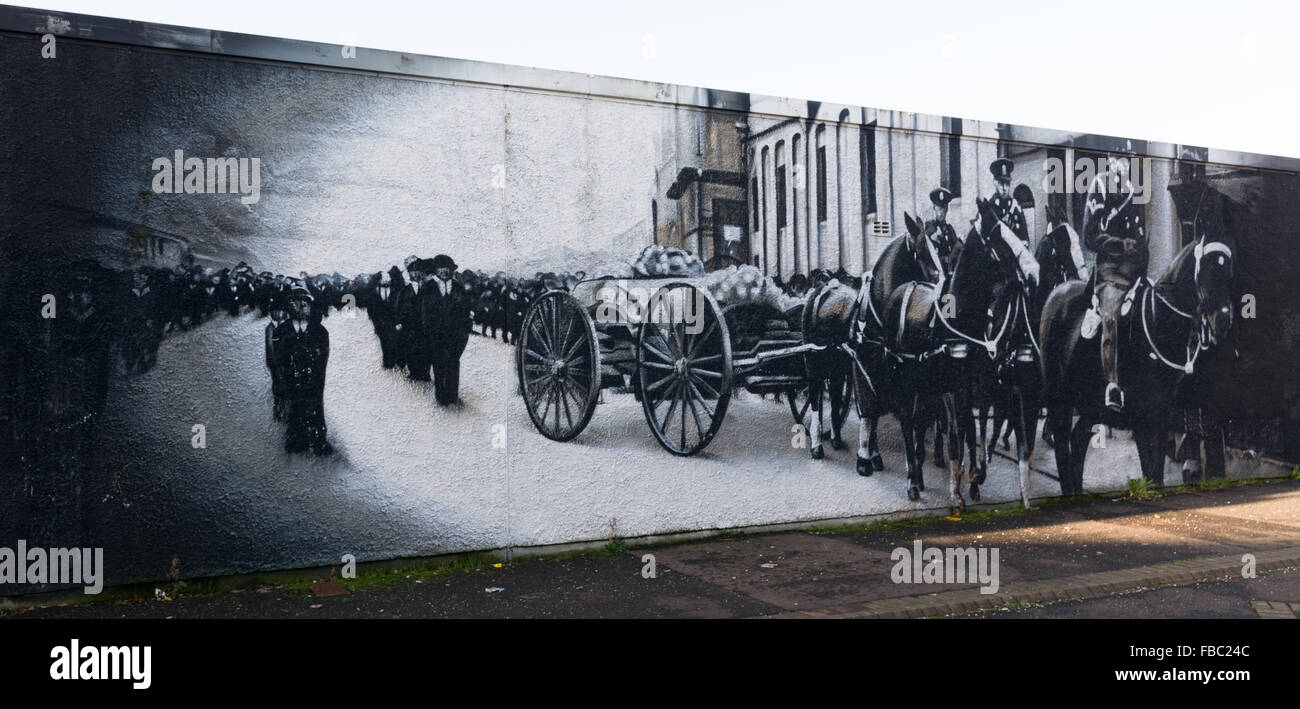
(1220, 74)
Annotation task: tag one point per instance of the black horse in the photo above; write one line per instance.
(1169, 324)
(827, 311)
(991, 318)
(897, 264)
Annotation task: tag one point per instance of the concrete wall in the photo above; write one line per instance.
(365, 164)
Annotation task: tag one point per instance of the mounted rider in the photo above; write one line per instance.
(1005, 207)
(941, 237)
(1113, 227)
(1004, 210)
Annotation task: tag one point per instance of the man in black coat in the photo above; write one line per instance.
(302, 353)
(278, 308)
(447, 323)
(380, 301)
(413, 338)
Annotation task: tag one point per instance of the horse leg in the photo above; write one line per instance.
(839, 411)
(1026, 425)
(965, 425)
(1080, 440)
(1215, 460)
(877, 463)
(866, 435)
(940, 429)
(909, 446)
(984, 453)
(1150, 444)
(1058, 422)
(920, 432)
(948, 422)
(866, 424)
(815, 418)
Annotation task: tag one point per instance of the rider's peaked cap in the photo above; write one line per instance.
(1001, 169)
(940, 196)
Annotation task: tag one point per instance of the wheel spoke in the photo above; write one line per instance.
(656, 384)
(713, 324)
(671, 407)
(559, 395)
(562, 345)
(657, 352)
(582, 340)
(713, 393)
(699, 398)
(706, 359)
(707, 373)
(533, 382)
(658, 365)
(695, 414)
(549, 393)
(564, 399)
(681, 393)
(536, 328)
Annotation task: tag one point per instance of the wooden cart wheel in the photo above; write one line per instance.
(684, 367)
(558, 362)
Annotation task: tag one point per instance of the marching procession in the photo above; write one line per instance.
(951, 330)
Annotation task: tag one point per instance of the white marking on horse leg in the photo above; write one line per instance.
(1024, 483)
(864, 437)
(815, 428)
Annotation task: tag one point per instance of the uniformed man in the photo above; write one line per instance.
(1113, 228)
(302, 354)
(939, 232)
(447, 324)
(1005, 207)
(1006, 211)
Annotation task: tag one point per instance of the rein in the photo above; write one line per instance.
(1149, 303)
(991, 346)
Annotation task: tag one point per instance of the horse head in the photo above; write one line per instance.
(1212, 279)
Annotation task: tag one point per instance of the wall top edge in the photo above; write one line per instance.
(15, 19)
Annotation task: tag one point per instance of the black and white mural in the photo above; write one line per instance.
(263, 309)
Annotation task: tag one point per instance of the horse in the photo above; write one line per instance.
(1012, 381)
(1185, 312)
(897, 264)
(827, 311)
(991, 302)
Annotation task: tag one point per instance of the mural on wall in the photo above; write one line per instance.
(261, 315)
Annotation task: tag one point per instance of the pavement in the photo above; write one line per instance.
(1184, 554)
(411, 479)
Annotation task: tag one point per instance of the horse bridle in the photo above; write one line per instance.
(1199, 252)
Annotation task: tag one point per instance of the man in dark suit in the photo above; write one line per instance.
(447, 323)
(413, 338)
(278, 307)
(380, 300)
(302, 353)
